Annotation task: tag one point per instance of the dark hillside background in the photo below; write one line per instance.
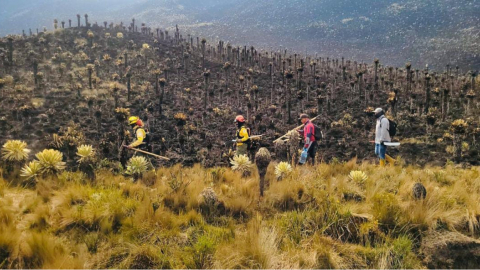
(423, 31)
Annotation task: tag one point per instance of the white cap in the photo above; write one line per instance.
(378, 110)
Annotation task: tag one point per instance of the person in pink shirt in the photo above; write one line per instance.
(308, 133)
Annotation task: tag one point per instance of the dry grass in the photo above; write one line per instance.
(316, 217)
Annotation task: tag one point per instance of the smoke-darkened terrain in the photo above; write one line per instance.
(119, 147)
(434, 32)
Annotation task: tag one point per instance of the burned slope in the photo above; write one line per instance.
(74, 85)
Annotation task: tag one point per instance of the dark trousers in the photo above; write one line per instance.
(311, 152)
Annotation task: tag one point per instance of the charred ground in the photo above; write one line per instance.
(188, 90)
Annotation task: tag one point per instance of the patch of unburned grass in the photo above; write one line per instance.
(316, 217)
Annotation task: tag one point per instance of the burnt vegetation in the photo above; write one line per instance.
(76, 76)
(82, 201)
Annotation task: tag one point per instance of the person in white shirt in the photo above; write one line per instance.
(382, 135)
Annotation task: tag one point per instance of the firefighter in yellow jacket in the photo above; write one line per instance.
(243, 136)
(141, 138)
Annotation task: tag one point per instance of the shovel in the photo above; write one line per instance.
(391, 144)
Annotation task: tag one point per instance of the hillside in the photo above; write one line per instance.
(92, 72)
(72, 197)
(422, 32)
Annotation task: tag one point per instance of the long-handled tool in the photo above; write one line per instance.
(147, 153)
(253, 137)
(311, 120)
(391, 144)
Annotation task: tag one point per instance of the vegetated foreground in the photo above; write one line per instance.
(340, 215)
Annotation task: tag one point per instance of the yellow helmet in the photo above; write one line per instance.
(133, 120)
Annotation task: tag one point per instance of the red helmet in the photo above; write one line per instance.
(240, 119)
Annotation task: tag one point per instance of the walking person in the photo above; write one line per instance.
(310, 145)
(382, 135)
(243, 136)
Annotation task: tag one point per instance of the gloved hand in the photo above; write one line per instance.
(381, 143)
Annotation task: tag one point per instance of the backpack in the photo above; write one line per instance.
(249, 141)
(147, 145)
(317, 132)
(392, 128)
(148, 138)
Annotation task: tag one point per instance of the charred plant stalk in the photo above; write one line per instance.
(129, 88)
(204, 41)
(427, 93)
(289, 104)
(90, 71)
(445, 103)
(262, 160)
(162, 93)
(206, 75)
(457, 140)
(272, 84)
(35, 71)
(10, 51)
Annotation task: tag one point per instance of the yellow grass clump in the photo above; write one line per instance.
(327, 216)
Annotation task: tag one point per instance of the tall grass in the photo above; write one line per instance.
(313, 217)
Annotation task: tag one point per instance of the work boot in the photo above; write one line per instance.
(390, 160)
(382, 162)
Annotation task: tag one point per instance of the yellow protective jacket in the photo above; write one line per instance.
(243, 135)
(140, 135)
